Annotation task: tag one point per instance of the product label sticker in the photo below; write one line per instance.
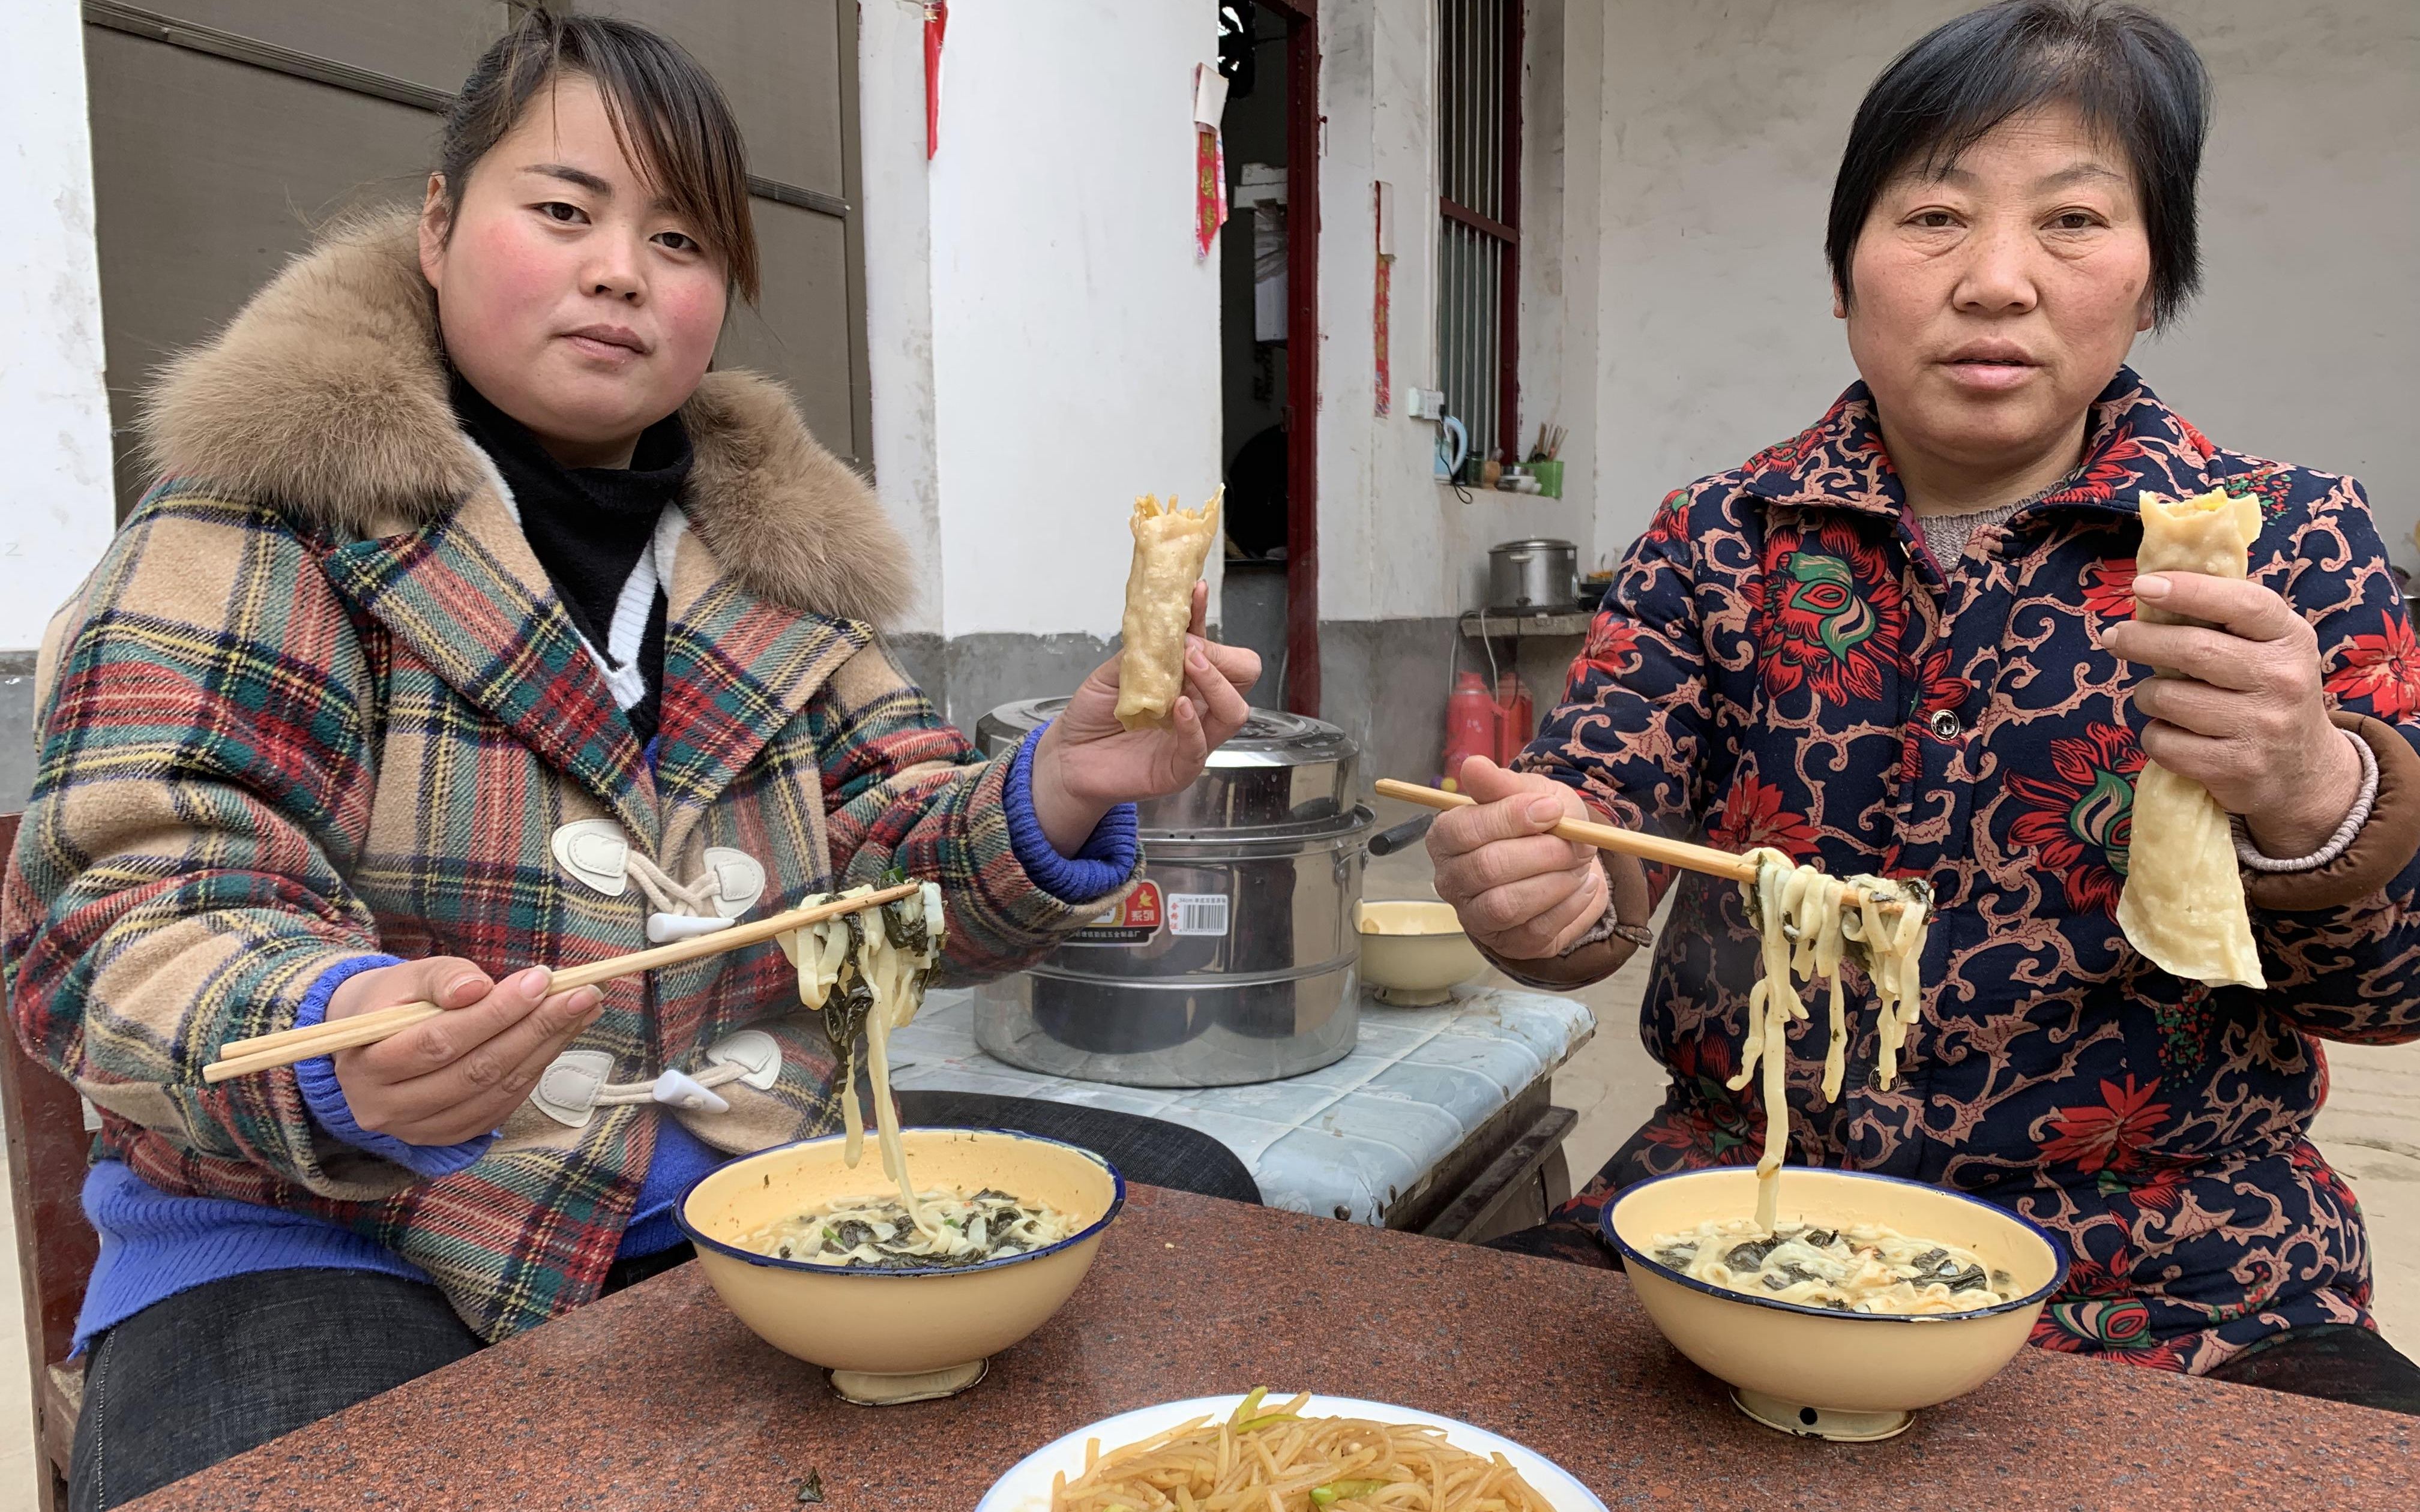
(1197, 913)
(1134, 921)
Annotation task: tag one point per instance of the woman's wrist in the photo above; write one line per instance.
(1067, 817)
(2310, 812)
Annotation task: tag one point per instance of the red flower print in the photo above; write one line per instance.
(1717, 1124)
(2163, 1191)
(2115, 1136)
(1752, 815)
(2085, 807)
(2194, 437)
(1833, 613)
(2109, 588)
(1671, 521)
(1942, 690)
(1785, 457)
(2104, 474)
(2305, 1158)
(2381, 669)
(1611, 649)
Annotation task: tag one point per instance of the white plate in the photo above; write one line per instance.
(1027, 1489)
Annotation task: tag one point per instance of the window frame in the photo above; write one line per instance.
(1496, 148)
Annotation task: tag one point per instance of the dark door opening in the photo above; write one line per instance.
(1268, 341)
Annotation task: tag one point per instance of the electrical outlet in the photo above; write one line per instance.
(1428, 404)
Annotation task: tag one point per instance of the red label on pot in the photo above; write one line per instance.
(1134, 921)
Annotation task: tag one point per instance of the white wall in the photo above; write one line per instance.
(1722, 129)
(897, 219)
(1394, 544)
(54, 412)
(1075, 336)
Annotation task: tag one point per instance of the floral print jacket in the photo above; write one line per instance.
(1780, 662)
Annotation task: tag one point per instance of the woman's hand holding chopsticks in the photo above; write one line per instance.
(459, 1074)
(1520, 889)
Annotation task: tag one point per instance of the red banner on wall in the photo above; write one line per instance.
(937, 22)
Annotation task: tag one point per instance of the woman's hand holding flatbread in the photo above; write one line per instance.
(2242, 713)
(1087, 762)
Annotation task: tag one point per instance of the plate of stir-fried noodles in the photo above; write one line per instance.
(1309, 1454)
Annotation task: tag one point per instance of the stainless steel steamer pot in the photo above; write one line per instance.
(1534, 577)
(1235, 959)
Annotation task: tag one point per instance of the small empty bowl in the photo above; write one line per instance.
(1415, 953)
(1810, 1370)
(891, 1336)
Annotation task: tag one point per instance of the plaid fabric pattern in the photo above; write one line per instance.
(267, 749)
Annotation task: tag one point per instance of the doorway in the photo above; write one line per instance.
(1268, 353)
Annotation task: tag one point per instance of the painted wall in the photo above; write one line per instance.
(897, 218)
(54, 412)
(1075, 334)
(1721, 132)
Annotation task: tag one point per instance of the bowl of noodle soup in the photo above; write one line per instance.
(1812, 1367)
(908, 1331)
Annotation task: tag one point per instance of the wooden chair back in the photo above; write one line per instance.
(48, 1148)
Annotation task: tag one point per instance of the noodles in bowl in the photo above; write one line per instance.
(915, 1328)
(1790, 1352)
(866, 976)
(1260, 1457)
(1862, 1268)
(886, 1235)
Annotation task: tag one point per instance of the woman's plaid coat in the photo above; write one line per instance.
(318, 700)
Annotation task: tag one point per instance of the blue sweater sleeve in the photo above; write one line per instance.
(325, 1096)
(1099, 868)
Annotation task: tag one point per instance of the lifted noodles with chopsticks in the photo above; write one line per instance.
(1808, 923)
(866, 973)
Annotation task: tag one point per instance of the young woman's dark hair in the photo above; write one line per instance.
(2133, 77)
(667, 113)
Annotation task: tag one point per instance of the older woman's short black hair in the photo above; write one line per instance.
(2131, 76)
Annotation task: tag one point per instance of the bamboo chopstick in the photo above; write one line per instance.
(1679, 853)
(264, 1052)
(1603, 837)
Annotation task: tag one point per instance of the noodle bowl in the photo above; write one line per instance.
(1260, 1457)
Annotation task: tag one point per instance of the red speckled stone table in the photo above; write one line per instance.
(657, 1399)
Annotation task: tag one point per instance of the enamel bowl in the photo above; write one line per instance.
(1810, 1370)
(1415, 953)
(899, 1336)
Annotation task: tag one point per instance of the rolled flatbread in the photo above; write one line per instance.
(2183, 905)
(1170, 546)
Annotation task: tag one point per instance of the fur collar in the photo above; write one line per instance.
(325, 397)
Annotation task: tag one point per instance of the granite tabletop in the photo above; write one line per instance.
(657, 1399)
(1345, 1141)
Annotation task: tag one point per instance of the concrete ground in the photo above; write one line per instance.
(2371, 1131)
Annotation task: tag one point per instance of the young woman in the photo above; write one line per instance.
(475, 623)
(1903, 642)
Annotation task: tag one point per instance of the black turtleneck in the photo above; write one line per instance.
(589, 526)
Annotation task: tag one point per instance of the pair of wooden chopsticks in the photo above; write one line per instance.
(238, 1058)
(1678, 853)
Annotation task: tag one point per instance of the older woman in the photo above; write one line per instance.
(1902, 642)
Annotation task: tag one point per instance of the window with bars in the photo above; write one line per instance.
(1479, 237)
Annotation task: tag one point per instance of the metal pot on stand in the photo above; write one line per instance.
(1235, 960)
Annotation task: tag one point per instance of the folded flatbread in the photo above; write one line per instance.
(1170, 546)
(2183, 905)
